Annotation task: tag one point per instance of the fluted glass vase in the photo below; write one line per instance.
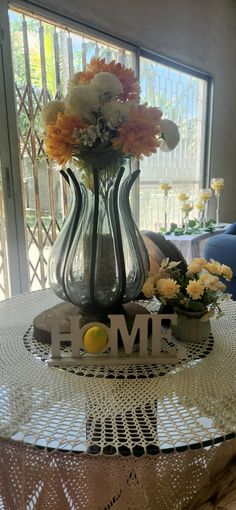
(99, 260)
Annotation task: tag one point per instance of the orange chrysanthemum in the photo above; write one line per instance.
(59, 139)
(131, 88)
(139, 136)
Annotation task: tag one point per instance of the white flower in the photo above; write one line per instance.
(73, 81)
(87, 137)
(169, 134)
(164, 263)
(91, 134)
(51, 110)
(115, 112)
(173, 264)
(83, 101)
(211, 282)
(107, 85)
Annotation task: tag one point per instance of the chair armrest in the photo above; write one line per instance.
(223, 249)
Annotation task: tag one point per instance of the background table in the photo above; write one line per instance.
(193, 245)
(100, 439)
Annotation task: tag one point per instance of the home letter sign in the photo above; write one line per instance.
(138, 345)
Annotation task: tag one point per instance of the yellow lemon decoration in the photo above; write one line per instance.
(95, 339)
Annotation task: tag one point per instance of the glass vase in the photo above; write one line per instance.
(99, 260)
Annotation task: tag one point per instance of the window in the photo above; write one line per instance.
(4, 274)
(182, 98)
(45, 53)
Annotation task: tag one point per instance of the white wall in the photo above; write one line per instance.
(199, 33)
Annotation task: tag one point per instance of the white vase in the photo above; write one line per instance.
(190, 328)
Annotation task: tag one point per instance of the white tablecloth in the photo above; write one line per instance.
(193, 245)
(49, 415)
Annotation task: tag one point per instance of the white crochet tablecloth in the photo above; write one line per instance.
(193, 245)
(93, 439)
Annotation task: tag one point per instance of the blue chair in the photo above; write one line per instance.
(222, 247)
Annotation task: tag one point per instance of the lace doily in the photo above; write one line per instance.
(143, 411)
(186, 353)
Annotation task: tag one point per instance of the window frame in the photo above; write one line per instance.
(208, 78)
(13, 201)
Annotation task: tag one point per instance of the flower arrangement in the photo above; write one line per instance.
(101, 112)
(200, 289)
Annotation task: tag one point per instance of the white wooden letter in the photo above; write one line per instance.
(157, 333)
(73, 336)
(118, 323)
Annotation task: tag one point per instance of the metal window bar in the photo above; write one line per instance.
(183, 98)
(4, 276)
(46, 196)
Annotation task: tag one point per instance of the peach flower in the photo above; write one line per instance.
(226, 272)
(139, 135)
(168, 288)
(59, 137)
(213, 267)
(195, 289)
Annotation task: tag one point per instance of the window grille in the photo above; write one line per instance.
(183, 98)
(44, 57)
(45, 54)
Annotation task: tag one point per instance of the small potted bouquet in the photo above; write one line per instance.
(194, 295)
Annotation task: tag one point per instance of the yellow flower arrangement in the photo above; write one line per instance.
(199, 289)
(101, 112)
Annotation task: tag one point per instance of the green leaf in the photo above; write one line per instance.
(196, 306)
(178, 231)
(192, 223)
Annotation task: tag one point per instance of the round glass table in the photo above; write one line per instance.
(135, 437)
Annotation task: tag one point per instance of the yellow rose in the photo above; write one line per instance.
(165, 186)
(148, 289)
(204, 276)
(168, 288)
(197, 264)
(199, 260)
(200, 206)
(195, 289)
(213, 267)
(226, 272)
(193, 268)
(210, 281)
(182, 197)
(220, 286)
(51, 111)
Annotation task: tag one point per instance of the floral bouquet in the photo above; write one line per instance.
(199, 290)
(101, 114)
